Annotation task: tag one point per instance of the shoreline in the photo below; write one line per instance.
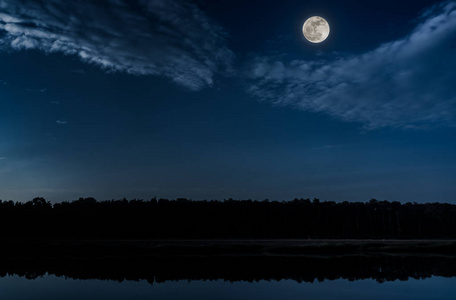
(82, 247)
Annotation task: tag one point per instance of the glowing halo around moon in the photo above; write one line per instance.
(315, 29)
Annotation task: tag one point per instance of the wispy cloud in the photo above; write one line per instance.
(408, 83)
(170, 38)
(325, 147)
(60, 122)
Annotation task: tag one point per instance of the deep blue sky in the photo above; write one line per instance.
(226, 99)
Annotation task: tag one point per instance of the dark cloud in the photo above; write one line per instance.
(169, 38)
(408, 83)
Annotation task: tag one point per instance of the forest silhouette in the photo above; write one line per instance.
(228, 219)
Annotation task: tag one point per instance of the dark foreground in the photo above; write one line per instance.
(232, 260)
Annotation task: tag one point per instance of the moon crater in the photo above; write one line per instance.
(315, 29)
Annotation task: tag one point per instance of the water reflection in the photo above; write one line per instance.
(52, 287)
(380, 268)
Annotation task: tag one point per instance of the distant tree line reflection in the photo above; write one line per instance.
(300, 269)
(187, 219)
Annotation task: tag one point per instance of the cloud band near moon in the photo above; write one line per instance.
(407, 83)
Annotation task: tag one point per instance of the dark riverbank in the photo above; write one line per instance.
(232, 260)
(131, 247)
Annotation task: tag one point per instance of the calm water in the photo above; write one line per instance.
(53, 287)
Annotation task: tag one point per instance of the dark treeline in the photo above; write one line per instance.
(182, 218)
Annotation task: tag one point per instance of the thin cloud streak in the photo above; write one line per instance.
(171, 38)
(408, 83)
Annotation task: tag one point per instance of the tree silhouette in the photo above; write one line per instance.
(184, 218)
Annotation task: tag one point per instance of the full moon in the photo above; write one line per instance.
(315, 29)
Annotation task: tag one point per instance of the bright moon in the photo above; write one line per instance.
(315, 29)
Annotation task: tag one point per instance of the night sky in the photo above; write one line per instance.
(226, 99)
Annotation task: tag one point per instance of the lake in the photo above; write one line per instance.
(55, 287)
